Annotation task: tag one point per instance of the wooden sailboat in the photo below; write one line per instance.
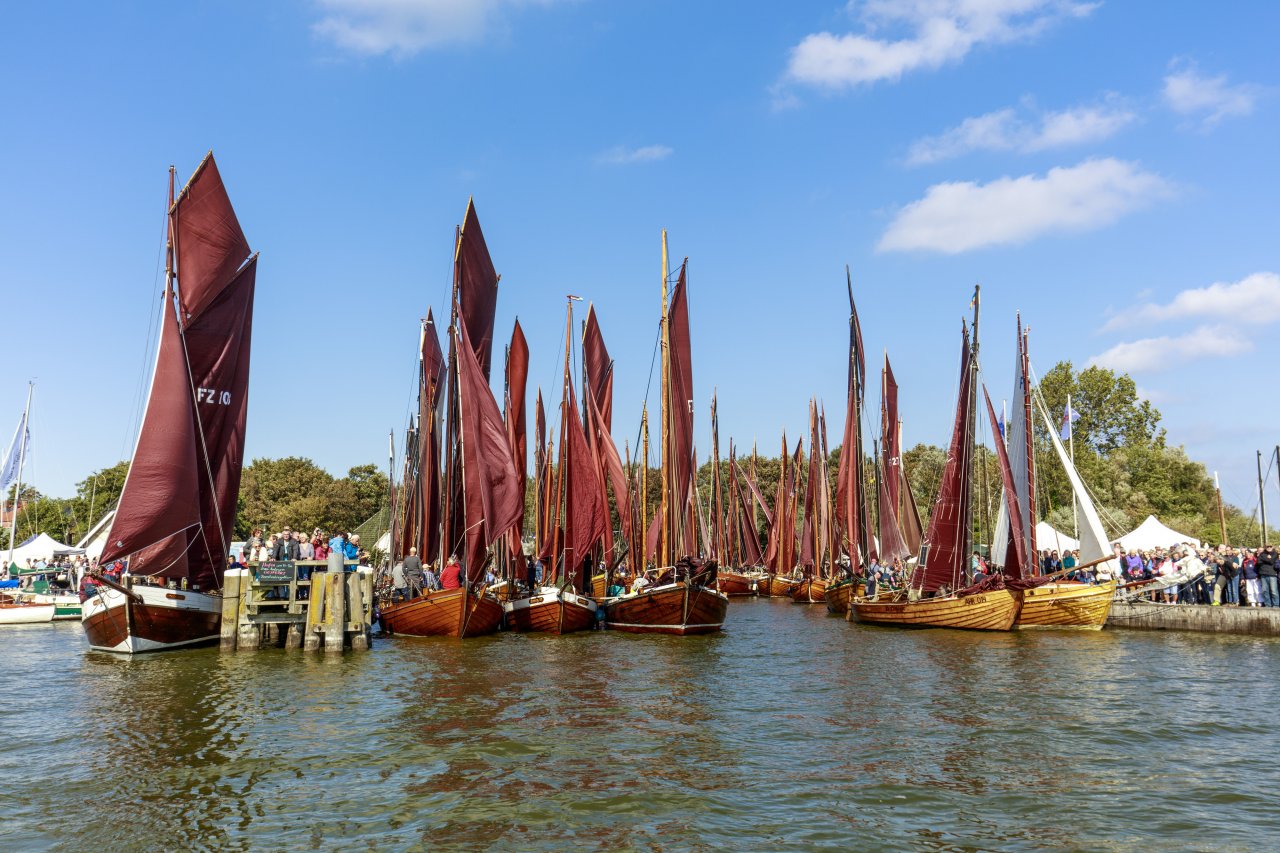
(851, 498)
(933, 601)
(687, 603)
(779, 579)
(744, 548)
(17, 606)
(1046, 602)
(482, 497)
(564, 605)
(817, 556)
(178, 505)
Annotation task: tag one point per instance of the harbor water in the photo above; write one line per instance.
(792, 730)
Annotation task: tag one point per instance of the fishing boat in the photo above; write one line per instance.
(780, 579)
(851, 511)
(735, 583)
(18, 610)
(173, 524)
(689, 603)
(1047, 602)
(818, 554)
(579, 520)
(939, 595)
(482, 493)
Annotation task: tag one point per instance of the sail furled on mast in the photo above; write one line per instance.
(1017, 567)
(430, 392)
(492, 496)
(517, 440)
(945, 541)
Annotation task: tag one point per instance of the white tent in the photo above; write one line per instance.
(384, 542)
(1152, 534)
(1050, 539)
(41, 547)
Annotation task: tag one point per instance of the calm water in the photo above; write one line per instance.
(792, 730)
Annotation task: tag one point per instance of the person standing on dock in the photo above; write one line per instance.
(1269, 595)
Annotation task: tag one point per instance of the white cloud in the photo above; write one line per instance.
(1188, 93)
(620, 155)
(1254, 300)
(1149, 355)
(405, 27)
(956, 217)
(1004, 130)
(937, 32)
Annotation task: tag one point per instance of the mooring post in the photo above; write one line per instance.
(231, 608)
(359, 609)
(248, 637)
(335, 604)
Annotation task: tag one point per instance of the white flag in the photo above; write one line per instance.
(17, 447)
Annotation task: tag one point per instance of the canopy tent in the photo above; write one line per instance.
(1050, 539)
(40, 547)
(1152, 534)
(384, 543)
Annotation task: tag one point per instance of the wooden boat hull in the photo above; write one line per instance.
(551, 611)
(838, 595)
(810, 591)
(1066, 605)
(775, 587)
(995, 610)
(157, 619)
(599, 586)
(676, 608)
(443, 613)
(735, 583)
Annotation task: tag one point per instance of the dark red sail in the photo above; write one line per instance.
(610, 465)
(492, 496)
(850, 489)
(891, 452)
(681, 416)
(477, 283)
(430, 392)
(159, 509)
(517, 379)
(909, 521)
(586, 516)
(945, 542)
(598, 369)
(207, 239)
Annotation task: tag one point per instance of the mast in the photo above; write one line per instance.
(644, 483)
(22, 458)
(451, 417)
(665, 556)
(1071, 448)
(1262, 504)
(562, 480)
(391, 498)
(1029, 521)
(1222, 518)
(971, 432)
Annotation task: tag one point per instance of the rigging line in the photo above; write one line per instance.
(149, 342)
(657, 342)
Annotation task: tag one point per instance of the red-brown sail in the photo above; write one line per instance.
(891, 452)
(850, 489)
(912, 529)
(611, 465)
(430, 392)
(681, 416)
(597, 369)
(586, 517)
(943, 554)
(207, 239)
(492, 497)
(517, 379)
(477, 283)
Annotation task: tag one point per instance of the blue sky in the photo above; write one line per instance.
(1107, 168)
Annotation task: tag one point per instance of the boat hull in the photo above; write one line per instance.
(551, 611)
(443, 613)
(735, 583)
(25, 614)
(774, 586)
(156, 619)
(599, 586)
(838, 595)
(994, 610)
(810, 591)
(1066, 605)
(676, 608)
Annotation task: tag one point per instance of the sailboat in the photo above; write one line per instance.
(686, 602)
(481, 494)
(851, 497)
(817, 553)
(564, 605)
(948, 540)
(18, 607)
(1047, 602)
(178, 505)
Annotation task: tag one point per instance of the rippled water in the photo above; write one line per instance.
(792, 730)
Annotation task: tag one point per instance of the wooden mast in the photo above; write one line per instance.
(561, 479)
(970, 431)
(666, 549)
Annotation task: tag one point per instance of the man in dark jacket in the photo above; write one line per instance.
(286, 546)
(1267, 571)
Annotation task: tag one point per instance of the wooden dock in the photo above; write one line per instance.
(276, 604)
(1221, 619)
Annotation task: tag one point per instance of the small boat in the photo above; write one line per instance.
(680, 608)
(551, 610)
(174, 520)
(444, 613)
(736, 583)
(810, 591)
(1063, 604)
(993, 610)
(840, 593)
(776, 586)
(14, 611)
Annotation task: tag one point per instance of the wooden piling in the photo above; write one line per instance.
(1217, 619)
(232, 582)
(335, 622)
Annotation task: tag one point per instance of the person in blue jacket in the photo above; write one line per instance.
(351, 550)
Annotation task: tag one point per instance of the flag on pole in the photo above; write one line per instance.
(17, 447)
(1069, 417)
(1000, 425)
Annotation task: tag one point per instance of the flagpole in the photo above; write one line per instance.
(22, 458)
(1071, 441)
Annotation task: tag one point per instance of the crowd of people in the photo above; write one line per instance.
(288, 545)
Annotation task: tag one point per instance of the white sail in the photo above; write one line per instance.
(1094, 544)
